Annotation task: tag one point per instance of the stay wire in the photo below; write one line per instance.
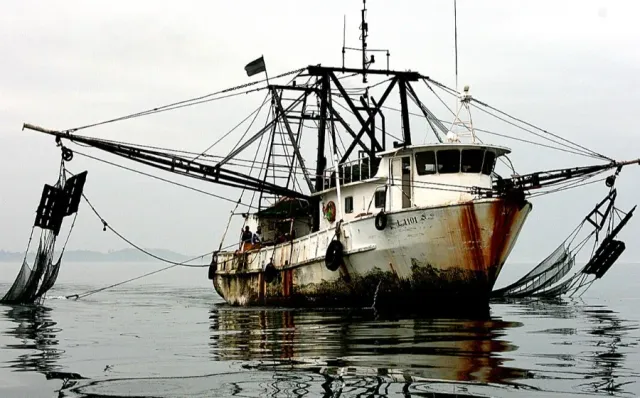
(455, 93)
(503, 136)
(187, 102)
(256, 112)
(541, 129)
(586, 153)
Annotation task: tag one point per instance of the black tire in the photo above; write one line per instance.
(333, 257)
(381, 220)
(270, 273)
(213, 267)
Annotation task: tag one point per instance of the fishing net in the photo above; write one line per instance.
(549, 271)
(550, 278)
(56, 202)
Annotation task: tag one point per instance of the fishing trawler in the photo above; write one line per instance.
(373, 221)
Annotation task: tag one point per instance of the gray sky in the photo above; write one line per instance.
(571, 67)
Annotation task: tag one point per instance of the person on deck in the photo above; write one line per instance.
(257, 237)
(245, 243)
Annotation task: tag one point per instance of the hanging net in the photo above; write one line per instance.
(56, 202)
(551, 277)
(551, 270)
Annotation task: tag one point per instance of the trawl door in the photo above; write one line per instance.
(400, 182)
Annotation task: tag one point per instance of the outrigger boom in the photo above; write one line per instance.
(217, 174)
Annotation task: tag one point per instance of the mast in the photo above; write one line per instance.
(363, 37)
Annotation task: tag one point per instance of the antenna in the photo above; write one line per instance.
(455, 30)
(363, 36)
(344, 38)
(364, 28)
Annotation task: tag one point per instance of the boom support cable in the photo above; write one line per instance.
(455, 93)
(187, 102)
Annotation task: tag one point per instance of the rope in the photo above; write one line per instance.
(90, 292)
(173, 264)
(375, 296)
(106, 225)
(188, 102)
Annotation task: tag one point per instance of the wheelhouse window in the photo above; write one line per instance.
(448, 161)
(426, 162)
(489, 162)
(472, 160)
(348, 204)
(379, 198)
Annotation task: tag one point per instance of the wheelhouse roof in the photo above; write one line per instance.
(500, 150)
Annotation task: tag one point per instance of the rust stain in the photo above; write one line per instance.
(262, 285)
(393, 269)
(344, 273)
(471, 234)
(287, 282)
(504, 215)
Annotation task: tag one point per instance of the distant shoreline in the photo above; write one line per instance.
(124, 255)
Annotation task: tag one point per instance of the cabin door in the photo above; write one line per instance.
(401, 182)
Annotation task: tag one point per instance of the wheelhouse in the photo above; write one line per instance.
(413, 176)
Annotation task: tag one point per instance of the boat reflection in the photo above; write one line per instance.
(362, 351)
(333, 341)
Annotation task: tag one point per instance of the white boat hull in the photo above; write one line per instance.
(451, 252)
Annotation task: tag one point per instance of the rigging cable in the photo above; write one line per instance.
(256, 112)
(188, 102)
(543, 130)
(106, 225)
(502, 135)
(455, 29)
(586, 153)
(455, 93)
(173, 264)
(224, 235)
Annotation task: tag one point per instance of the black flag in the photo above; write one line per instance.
(256, 66)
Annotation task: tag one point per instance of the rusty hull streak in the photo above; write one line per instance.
(470, 232)
(487, 260)
(470, 282)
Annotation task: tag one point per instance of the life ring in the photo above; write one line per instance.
(333, 257)
(381, 220)
(270, 273)
(329, 211)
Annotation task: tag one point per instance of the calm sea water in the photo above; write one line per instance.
(169, 335)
